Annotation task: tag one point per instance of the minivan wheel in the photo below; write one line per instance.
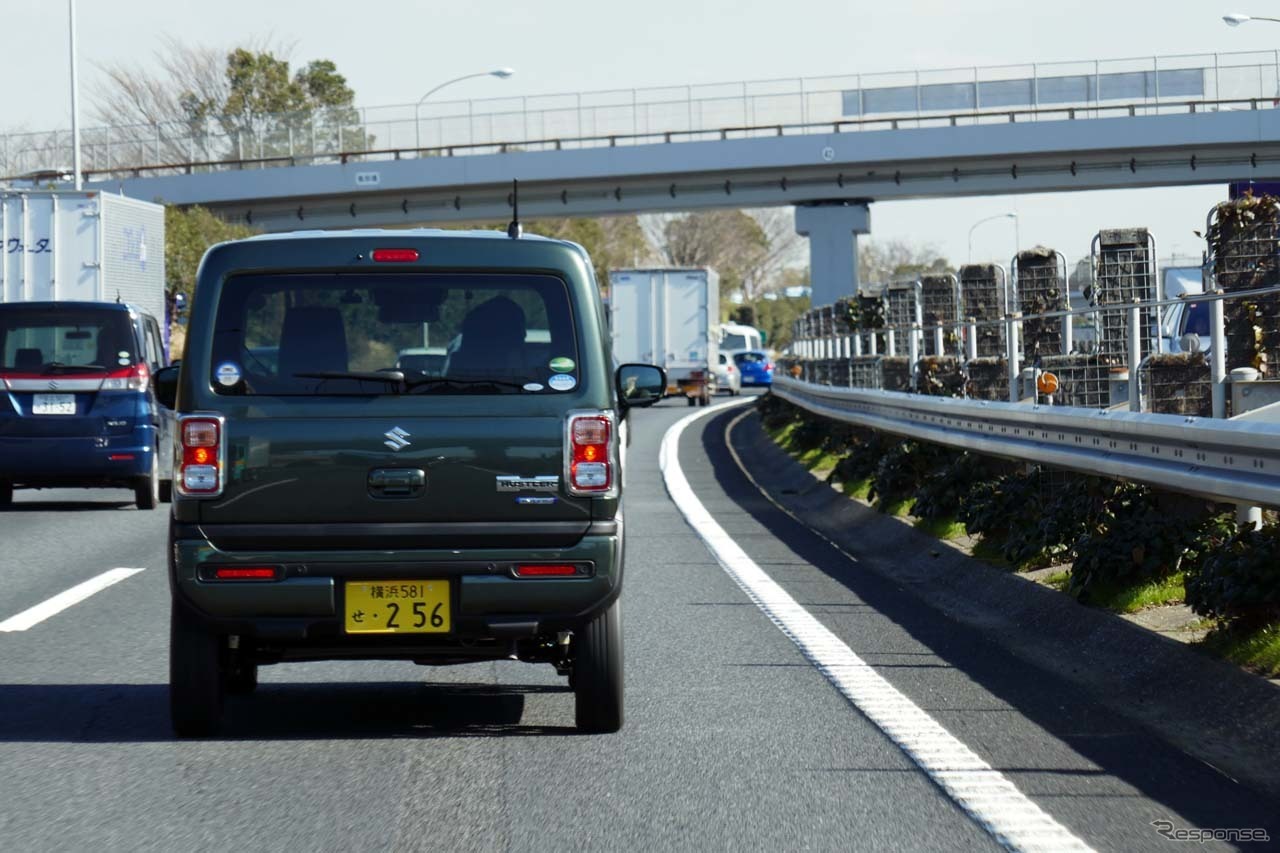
(692, 401)
(597, 672)
(166, 491)
(241, 677)
(195, 676)
(146, 491)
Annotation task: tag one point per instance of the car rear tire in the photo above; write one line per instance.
(166, 491)
(6, 494)
(195, 676)
(146, 492)
(597, 673)
(692, 401)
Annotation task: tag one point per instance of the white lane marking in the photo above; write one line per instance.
(60, 602)
(985, 794)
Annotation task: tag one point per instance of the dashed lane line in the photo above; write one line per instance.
(982, 792)
(52, 607)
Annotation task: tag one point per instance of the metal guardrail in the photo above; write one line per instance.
(1224, 460)
(918, 98)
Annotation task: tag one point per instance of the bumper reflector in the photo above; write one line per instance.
(244, 573)
(546, 571)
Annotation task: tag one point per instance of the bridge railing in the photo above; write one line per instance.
(923, 98)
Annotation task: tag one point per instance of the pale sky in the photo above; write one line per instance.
(394, 50)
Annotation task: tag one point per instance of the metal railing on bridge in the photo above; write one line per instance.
(924, 98)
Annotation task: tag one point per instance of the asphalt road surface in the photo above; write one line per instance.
(733, 738)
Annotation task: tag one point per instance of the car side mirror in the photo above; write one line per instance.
(165, 383)
(640, 385)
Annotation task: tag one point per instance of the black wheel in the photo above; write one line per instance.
(597, 672)
(195, 676)
(703, 400)
(166, 491)
(6, 493)
(692, 401)
(146, 491)
(241, 677)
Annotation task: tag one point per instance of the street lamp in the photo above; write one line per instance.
(500, 73)
(75, 99)
(1012, 216)
(1236, 19)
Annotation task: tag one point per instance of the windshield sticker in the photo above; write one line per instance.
(228, 374)
(562, 382)
(562, 364)
(533, 386)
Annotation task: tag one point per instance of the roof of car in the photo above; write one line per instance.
(68, 303)
(392, 233)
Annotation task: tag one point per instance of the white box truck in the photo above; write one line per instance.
(668, 317)
(82, 246)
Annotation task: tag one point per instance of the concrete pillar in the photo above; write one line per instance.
(832, 229)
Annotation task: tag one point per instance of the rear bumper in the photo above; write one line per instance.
(79, 461)
(307, 605)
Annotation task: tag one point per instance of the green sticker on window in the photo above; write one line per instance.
(562, 364)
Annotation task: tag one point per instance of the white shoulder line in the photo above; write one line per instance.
(60, 602)
(986, 795)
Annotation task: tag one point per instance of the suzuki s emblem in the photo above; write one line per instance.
(397, 439)
(53, 385)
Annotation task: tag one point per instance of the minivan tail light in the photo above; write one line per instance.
(202, 456)
(395, 256)
(546, 570)
(130, 379)
(589, 454)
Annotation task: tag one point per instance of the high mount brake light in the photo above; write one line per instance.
(395, 256)
(589, 453)
(200, 469)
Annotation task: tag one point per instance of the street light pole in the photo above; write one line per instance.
(1013, 216)
(1236, 19)
(75, 100)
(500, 73)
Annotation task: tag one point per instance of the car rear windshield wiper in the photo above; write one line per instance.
(433, 382)
(58, 367)
(393, 377)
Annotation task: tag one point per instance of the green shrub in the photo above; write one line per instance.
(776, 412)
(943, 491)
(1240, 581)
(995, 507)
(860, 458)
(902, 467)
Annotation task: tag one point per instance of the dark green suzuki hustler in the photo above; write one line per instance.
(397, 445)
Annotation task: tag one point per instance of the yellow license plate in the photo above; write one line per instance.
(397, 607)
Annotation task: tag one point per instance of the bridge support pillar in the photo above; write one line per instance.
(833, 228)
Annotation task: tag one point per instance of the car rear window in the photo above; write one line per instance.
(744, 357)
(446, 333)
(53, 340)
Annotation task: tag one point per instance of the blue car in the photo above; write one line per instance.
(755, 367)
(76, 401)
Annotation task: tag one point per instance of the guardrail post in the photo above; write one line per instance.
(1135, 357)
(874, 342)
(939, 341)
(1218, 357)
(1014, 324)
(971, 339)
(1068, 333)
(891, 344)
(857, 345)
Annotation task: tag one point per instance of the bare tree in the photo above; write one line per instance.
(880, 262)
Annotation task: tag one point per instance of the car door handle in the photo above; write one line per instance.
(397, 482)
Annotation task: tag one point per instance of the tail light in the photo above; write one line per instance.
(203, 454)
(768, 367)
(546, 570)
(589, 454)
(130, 379)
(241, 573)
(728, 368)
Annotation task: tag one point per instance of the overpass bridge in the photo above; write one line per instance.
(830, 146)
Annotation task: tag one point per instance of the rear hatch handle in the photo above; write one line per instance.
(387, 483)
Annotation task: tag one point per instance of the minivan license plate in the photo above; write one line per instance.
(53, 404)
(397, 607)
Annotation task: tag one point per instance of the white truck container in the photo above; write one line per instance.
(82, 246)
(669, 317)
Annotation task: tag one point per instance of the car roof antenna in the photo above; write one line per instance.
(515, 229)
